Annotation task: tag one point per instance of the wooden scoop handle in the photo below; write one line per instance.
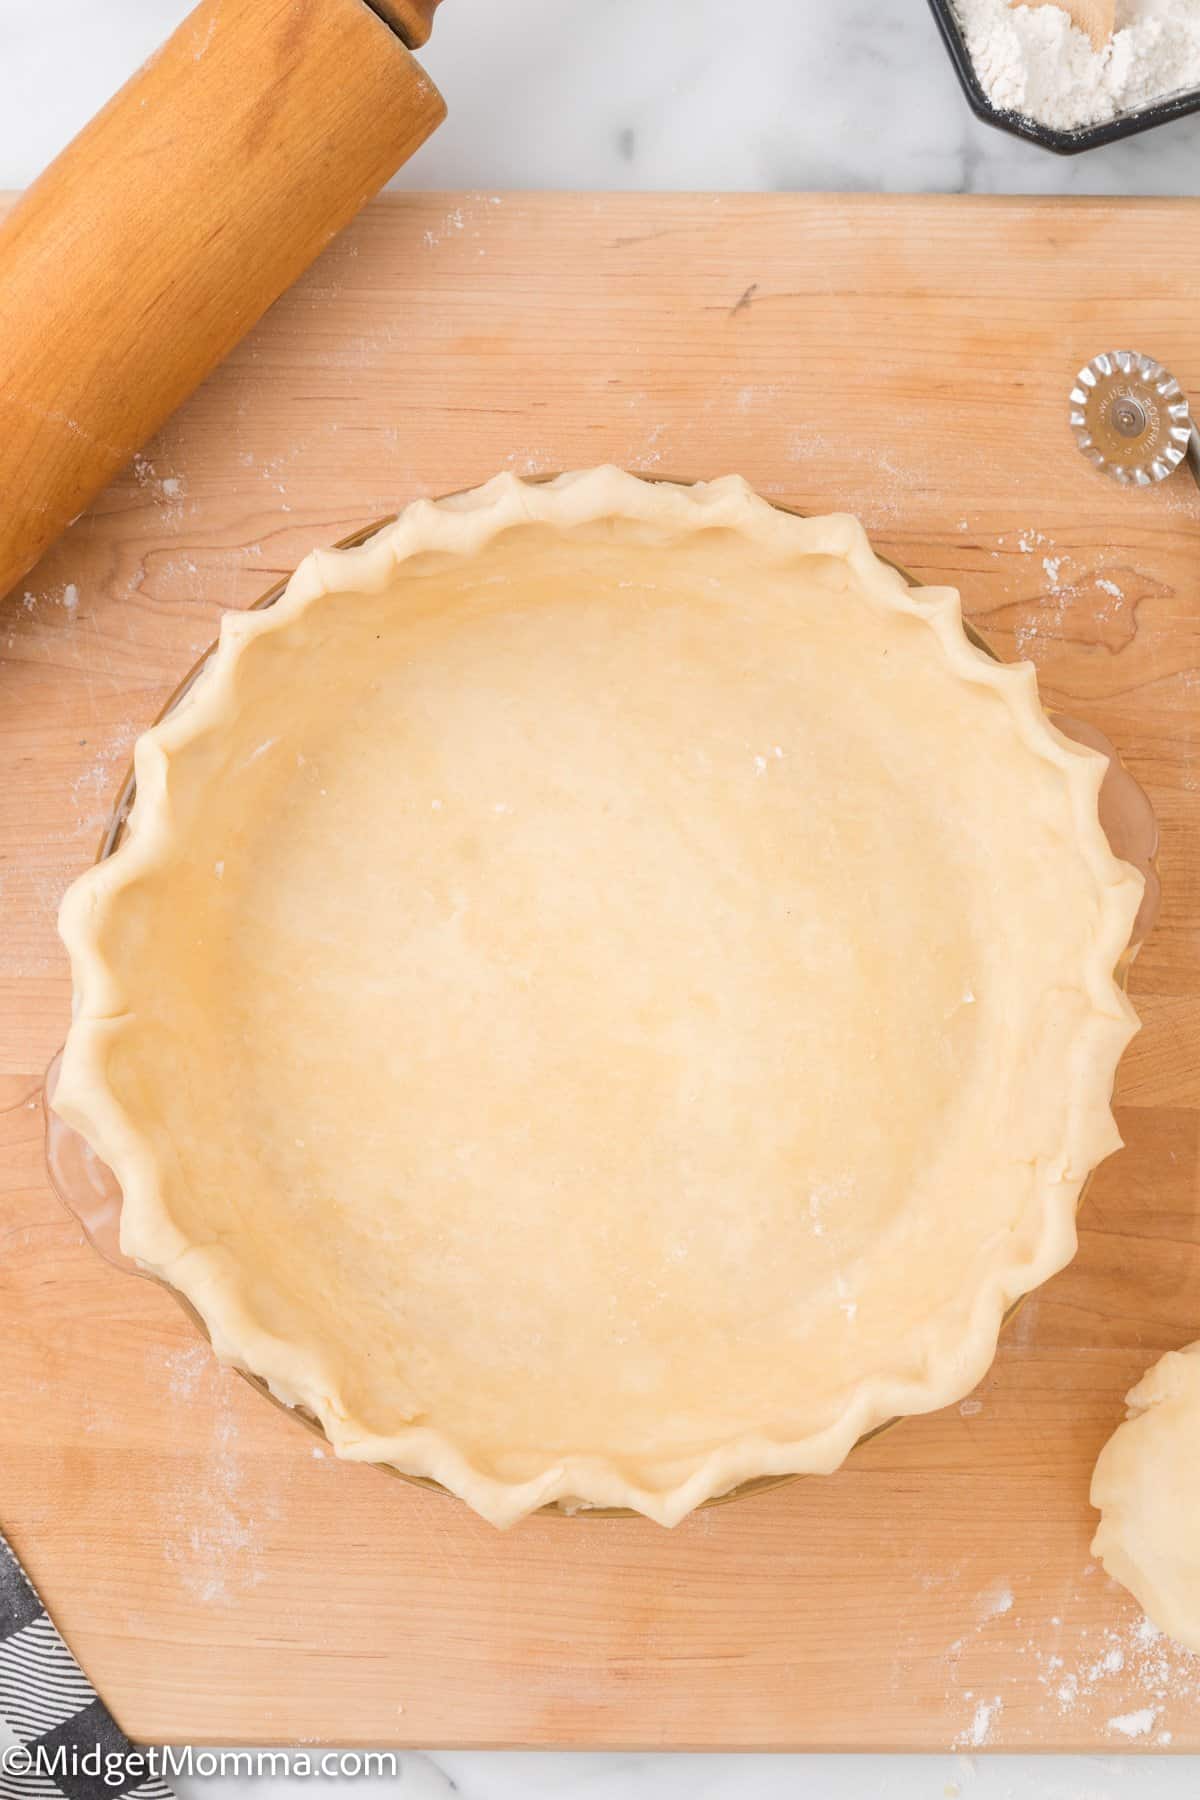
(174, 220)
(1095, 18)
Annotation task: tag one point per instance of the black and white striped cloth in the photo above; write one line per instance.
(57, 1739)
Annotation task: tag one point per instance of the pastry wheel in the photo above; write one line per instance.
(1131, 418)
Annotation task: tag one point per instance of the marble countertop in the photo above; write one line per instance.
(832, 94)
(533, 1775)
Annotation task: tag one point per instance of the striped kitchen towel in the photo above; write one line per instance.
(57, 1739)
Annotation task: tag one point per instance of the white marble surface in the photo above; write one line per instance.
(632, 93)
(657, 94)
(477, 1775)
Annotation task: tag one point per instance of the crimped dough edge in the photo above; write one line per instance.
(207, 1274)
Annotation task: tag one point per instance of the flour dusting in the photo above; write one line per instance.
(454, 220)
(1133, 1669)
(1126, 1681)
(186, 1369)
(1135, 1725)
(982, 1720)
(996, 1602)
(209, 1535)
(166, 490)
(94, 788)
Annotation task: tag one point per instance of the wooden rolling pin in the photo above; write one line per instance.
(171, 223)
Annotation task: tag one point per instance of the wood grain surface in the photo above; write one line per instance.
(908, 359)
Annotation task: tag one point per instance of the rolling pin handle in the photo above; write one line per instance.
(412, 20)
(174, 220)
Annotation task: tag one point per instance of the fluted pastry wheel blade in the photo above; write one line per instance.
(1130, 417)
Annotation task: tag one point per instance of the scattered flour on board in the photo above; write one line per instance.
(460, 216)
(186, 1369)
(453, 221)
(765, 394)
(1136, 1724)
(1133, 1669)
(208, 1533)
(1127, 1678)
(980, 1729)
(67, 597)
(94, 788)
(1063, 590)
(995, 1602)
(210, 1540)
(166, 490)
(530, 462)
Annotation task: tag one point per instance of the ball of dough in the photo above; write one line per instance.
(1146, 1487)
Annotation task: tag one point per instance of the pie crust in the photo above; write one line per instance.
(1147, 1490)
(605, 994)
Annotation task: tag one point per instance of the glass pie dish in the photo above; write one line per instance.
(92, 1193)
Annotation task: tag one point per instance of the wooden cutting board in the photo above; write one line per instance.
(219, 1577)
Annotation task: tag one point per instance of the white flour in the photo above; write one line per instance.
(1033, 60)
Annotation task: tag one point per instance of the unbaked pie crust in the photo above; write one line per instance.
(605, 994)
(1147, 1489)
